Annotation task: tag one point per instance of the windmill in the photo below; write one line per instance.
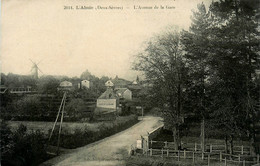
(35, 69)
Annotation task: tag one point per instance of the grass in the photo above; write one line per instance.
(167, 136)
(159, 161)
(70, 127)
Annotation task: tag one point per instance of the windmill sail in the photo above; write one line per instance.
(35, 69)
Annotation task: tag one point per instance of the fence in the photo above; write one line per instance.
(241, 149)
(209, 156)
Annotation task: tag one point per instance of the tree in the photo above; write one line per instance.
(48, 84)
(234, 59)
(75, 107)
(163, 64)
(3, 79)
(196, 43)
(86, 75)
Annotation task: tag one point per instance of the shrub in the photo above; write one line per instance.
(29, 106)
(22, 148)
(6, 141)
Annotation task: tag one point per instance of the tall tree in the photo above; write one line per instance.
(236, 48)
(164, 67)
(197, 47)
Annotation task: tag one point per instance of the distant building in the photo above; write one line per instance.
(109, 83)
(65, 85)
(84, 84)
(136, 82)
(135, 87)
(108, 101)
(124, 93)
(27, 89)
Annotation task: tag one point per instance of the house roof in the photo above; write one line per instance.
(108, 94)
(65, 84)
(121, 90)
(109, 83)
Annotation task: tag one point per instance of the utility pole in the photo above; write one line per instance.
(61, 109)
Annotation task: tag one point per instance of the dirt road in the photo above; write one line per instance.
(110, 151)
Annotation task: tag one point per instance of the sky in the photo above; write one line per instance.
(69, 41)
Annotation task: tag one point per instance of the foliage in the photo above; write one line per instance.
(235, 61)
(14, 80)
(29, 105)
(21, 147)
(75, 107)
(163, 63)
(48, 84)
(211, 73)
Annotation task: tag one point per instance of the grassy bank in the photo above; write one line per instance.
(159, 161)
(26, 146)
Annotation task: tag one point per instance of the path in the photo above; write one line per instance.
(110, 151)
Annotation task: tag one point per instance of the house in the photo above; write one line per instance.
(84, 84)
(65, 85)
(124, 93)
(109, 83)
(108, 101)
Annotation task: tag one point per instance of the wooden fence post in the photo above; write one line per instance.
(208, 159)
(239, 158)
(195, 149)
(202, 155)
(225, 161)
(167, 152)
(151, 152)
(210, 148)
(244, 162)
(220, 156)
(165, 144)
(162, 152)
(184, 154)
(242, 149)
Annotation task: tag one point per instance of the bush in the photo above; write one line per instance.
(22, 148)
(29, 106)
(76, 107)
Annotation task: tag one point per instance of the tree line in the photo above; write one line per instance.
(44, 104)
(210, 72)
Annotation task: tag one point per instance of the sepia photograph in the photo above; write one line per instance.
(130, 83)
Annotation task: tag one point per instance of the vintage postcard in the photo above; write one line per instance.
(129, 82)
